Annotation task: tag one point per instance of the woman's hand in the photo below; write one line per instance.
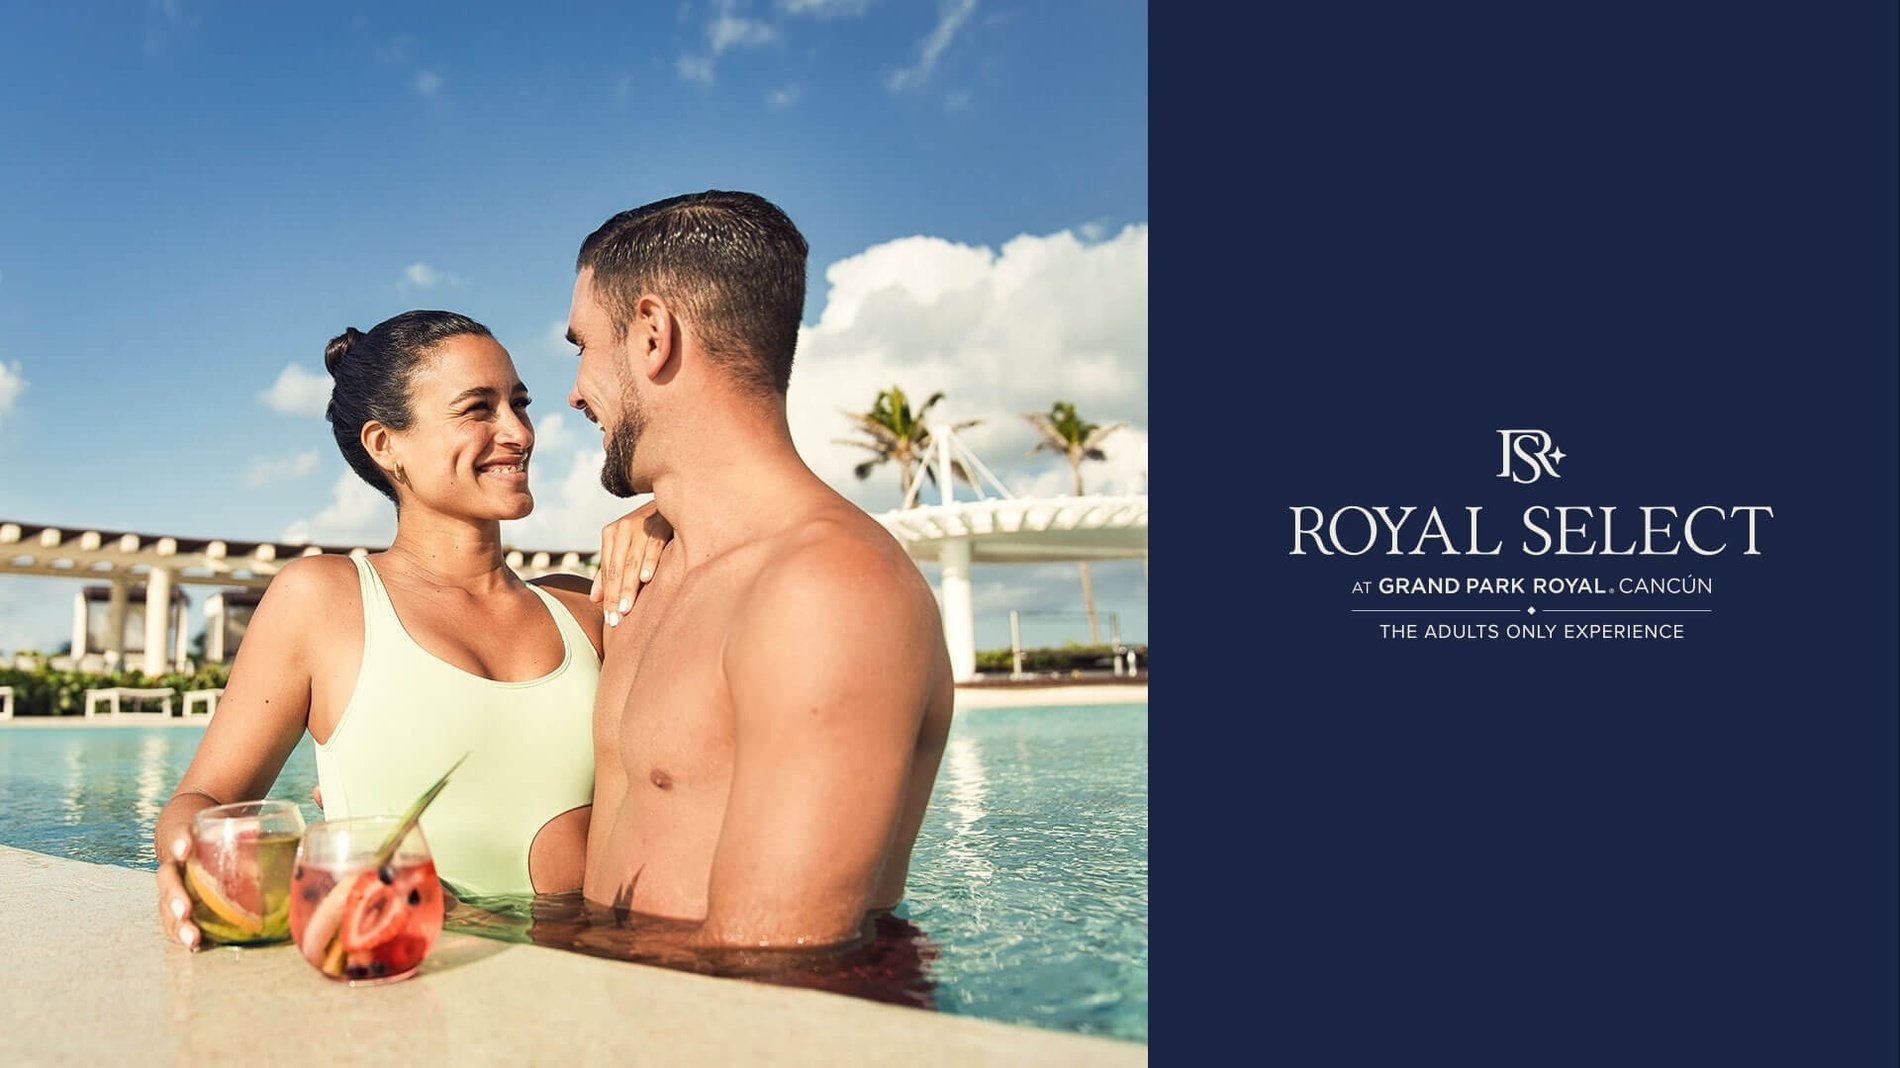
(172, 841)
(629, 552)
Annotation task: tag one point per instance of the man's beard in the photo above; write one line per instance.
(617, 473)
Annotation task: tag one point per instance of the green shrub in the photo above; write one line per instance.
(45, 691)
(1070, 657)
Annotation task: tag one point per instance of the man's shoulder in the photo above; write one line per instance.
(845, 554)
(835, 571)
(851, 595)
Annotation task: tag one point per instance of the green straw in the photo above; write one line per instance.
(410, 818)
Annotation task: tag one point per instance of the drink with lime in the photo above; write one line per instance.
(238, 873)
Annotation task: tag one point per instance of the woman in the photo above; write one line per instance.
(400, 662)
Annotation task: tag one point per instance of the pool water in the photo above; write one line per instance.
(1028, 894)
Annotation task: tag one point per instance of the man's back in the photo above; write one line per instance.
(767, 731)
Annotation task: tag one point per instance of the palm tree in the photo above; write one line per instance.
(1067, 433)
(893, 433)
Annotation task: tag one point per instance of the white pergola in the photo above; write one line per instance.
(953, 534)
(160, 562)
(1005, 529)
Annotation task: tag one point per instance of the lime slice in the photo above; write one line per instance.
(206, 891)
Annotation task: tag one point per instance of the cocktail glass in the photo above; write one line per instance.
(238, 874)
(354, 920)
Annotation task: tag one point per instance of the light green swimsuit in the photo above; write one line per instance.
(412, 715)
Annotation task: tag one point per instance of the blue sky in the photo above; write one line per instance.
(195, 196)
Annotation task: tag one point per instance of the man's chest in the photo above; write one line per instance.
(665, 689)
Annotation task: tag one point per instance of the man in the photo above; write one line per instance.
(771, 715)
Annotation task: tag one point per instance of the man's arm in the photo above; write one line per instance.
(828, 667)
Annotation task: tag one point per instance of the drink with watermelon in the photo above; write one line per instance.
(238, 874)
(362, 910)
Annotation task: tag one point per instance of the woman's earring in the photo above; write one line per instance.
(400, 477)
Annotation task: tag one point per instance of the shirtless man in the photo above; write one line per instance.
(771, 714)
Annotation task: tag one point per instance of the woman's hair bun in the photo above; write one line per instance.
(338, 348)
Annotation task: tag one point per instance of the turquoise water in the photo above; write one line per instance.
(1029, 881)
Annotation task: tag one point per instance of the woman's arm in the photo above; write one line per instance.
(260, 718)
(630, 550)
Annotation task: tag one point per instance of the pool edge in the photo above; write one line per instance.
(475, 999)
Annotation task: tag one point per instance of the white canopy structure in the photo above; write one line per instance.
(1005, 529)
(953, 534)
(158, 562)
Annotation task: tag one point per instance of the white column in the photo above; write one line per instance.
(115, 624)
(79, 624)
(158, 613)
(214, 629)
(181, 637)
(959, 616)
(945, 485)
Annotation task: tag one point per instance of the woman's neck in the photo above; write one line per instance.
(448, 551)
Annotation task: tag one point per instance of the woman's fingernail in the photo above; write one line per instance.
(626, 604)
(179, 908)
(613, 619)
(189, 937)
(647, 575)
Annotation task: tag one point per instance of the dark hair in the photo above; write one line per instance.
(373, 372)
(732, 263)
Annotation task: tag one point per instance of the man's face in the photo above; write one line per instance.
(604, 386)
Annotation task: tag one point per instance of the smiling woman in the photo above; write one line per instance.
(377, 392)
(397, 663)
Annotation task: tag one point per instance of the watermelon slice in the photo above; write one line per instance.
(375, 912)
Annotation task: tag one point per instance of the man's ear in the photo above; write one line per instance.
(654, 337)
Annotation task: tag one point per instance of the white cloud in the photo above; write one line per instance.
(267, 469)
(163, 20)
(726, 31)
(556, 343)
(553, 434)
(1124, 468)
(12, 384)
(428, 83)
(356, 515)
(420, 275)
(695, 69)
(782, 98)
(951, 17)
(297, 392)
(1048, 318)
(394, 50)
(825, 9)
(570, 505)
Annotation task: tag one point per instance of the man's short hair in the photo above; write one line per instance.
(731, 263)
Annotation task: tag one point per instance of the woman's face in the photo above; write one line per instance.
(466, 450)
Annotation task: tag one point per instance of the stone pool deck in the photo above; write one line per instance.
(1005, 695)
(90, 979)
